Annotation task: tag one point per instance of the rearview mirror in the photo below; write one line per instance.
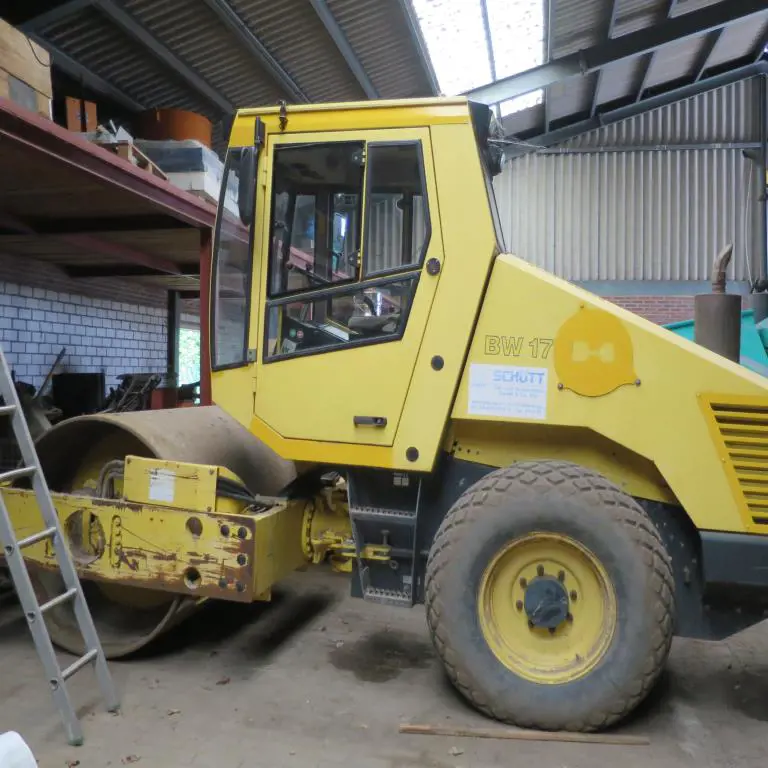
(246, 189)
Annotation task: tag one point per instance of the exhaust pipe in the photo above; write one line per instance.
(717, 315)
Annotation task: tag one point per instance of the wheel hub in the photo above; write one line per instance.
(547, 608)
(546, 602)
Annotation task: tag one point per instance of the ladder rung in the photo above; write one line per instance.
(58, 600)
(35, 537)
(7, 410)
(15, 473)
(76, 666)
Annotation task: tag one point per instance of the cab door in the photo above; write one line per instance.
(345, 291)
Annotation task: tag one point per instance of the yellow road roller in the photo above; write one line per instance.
(563, 484)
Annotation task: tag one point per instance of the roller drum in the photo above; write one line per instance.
(72, 455)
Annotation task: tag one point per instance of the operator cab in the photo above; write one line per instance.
(329, 251)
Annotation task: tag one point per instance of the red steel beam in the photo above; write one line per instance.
(205, 317)
(118, 251)
(96, 245)
(33, 133)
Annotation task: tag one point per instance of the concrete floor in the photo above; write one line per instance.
(319, 679)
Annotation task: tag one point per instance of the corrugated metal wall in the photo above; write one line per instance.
(385, 236)
(635, 210)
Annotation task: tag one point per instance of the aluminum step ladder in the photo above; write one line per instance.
(73, 590)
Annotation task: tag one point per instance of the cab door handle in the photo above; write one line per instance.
(370, 421)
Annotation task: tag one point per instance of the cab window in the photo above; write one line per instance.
(323, 292)
(316, 214)
(365, 313)
(398, 221)
(232, 272)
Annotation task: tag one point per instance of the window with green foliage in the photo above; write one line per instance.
(189, 356)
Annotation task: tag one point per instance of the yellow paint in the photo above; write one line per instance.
(278, 536)
(414, 398)
(576, 646)
(144, 545)
(593, 353)
(234, 387)
(621, 393)
(659, 420)
(170, 484)
(470, 247)
(322, 452)
(499, 444)
(328, 530)
(326, 412)
(358, 116)
(739, 430)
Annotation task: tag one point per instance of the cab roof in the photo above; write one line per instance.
(350, 116)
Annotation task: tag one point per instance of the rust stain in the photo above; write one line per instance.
(168, 557)
(119, 504)
(193, 558)
(122, 557)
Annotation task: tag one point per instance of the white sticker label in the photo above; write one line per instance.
(162, 483)
(508, 391)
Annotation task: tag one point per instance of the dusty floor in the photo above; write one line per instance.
(319, 679)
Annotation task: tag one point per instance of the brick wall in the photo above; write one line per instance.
(658, 309)
(110, 325)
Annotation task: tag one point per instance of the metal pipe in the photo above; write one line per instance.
(172, 351)
(652, 148)
(763, 181)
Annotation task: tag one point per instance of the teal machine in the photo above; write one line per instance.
(754, 340)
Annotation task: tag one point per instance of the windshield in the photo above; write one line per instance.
(487, 129)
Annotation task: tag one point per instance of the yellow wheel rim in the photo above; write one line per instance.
(510, 608)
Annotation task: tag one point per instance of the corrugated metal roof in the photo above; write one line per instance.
(215, 47)
(383, 47)
(194, 34)
(580, 24)
(294, 35)
(725, 115)
(103, 48)
(744, 36)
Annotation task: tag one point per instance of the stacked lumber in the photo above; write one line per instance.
(25, 71)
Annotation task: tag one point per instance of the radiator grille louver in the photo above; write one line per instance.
(743, 431)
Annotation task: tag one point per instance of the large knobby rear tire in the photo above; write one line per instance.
(559, 527)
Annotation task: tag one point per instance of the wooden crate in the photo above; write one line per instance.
(25, 71)
(132, 154)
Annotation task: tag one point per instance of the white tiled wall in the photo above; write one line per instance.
(99, 334)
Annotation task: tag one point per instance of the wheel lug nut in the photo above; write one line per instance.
(561, 576)
(569, 618)
(540, 570)
(523, 583)
(574, 596)
(530, 624)
(551, 630)
(519, 605)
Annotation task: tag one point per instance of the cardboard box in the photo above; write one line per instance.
(81, 115)
(25, 71)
